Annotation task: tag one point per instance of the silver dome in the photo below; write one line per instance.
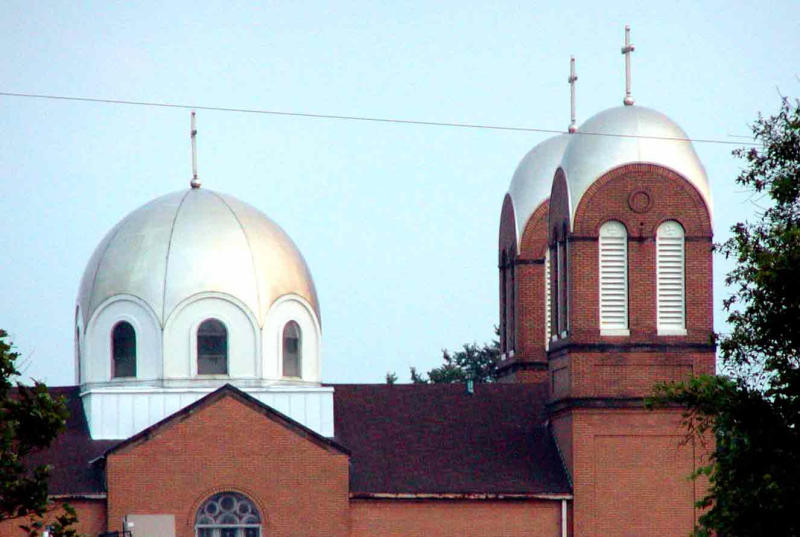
(195, 241)
(648, 137)
(533, 179)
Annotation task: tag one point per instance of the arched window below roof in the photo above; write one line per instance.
(670, 279)
(547, 304)
(613, 278)
(503, 304)
(123, 350)
(212, 348)
(292, 350)
(228, 514)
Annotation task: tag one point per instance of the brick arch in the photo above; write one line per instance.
(206, 494)
(558, 207)
(507, 236)
(534, 237)
(601, 222)
(671, 197)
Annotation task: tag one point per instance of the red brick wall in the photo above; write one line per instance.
(385, 518)
(613, 197)
(641, 196)
(529, 292)
(530, 288)
(629, 469)
(630, 472)
(300, 487)
(621, 373)
(507, 243)
(91, 518)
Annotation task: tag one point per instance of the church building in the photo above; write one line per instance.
(198, 408)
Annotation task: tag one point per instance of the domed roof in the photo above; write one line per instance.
(647, 136)
(533, 179)
(195, 241)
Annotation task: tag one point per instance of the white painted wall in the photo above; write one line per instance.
(96, 352)
(180, 336)
(166, 362)
(116, 412)
(292, 308)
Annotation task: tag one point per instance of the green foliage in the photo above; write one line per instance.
(29, 420)
(391, 377)
(754, 411)
(62, 526)
(473, 361)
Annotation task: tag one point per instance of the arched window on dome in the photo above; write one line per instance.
(228, 514)
(613, 277)
(670, 279)
(123, 350)
(212, 348)
(292, 349)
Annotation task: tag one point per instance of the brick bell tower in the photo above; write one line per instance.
(522, 254)
(630, 253)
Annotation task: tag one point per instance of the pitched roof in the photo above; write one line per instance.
(71, 452)
(402, 439)
(423, 439)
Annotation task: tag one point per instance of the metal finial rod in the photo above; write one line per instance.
(626, 51)
(572, 78)
(195, 183)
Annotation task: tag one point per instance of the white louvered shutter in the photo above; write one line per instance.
(547, 305)
(613, 247)
(560, 294)
(670, 279)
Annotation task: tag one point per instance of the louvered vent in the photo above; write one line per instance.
(613, 279)
(547, 305)
(670, 279)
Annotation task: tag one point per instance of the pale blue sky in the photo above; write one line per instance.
(397, 223)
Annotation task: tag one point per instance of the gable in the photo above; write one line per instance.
(227, 408)
(229, 441)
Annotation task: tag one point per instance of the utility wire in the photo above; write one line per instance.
(357, 118)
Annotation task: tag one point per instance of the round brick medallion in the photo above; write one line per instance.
(639, 201)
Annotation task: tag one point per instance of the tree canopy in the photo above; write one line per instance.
(753, 408)
(30, 419)
(473, 362)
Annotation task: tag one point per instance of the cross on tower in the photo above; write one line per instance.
(626, 51)
(572, 78)
(195, 182)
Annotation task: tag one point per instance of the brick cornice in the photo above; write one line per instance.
(570, 403)
(558, 348)
(512, 366)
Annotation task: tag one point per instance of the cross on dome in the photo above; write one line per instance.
(572, 78)
(626, 51)
(195, 182)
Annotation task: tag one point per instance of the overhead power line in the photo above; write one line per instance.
(356, 118)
